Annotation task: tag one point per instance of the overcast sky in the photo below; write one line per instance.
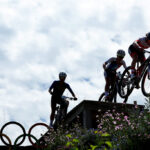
(40, 38)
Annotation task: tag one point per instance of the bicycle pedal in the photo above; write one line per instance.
(57, 107)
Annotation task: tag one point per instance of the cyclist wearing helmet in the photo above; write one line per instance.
(56, 90)
(110, 67)
(136, 51)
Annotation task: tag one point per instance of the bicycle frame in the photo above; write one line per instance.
(141, 70)
(59, 115)
(61, 112)
(115, 88)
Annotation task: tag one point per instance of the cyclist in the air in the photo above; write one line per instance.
(56, 90)
(136, 51)
(110, 67)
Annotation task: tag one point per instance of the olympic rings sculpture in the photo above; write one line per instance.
(38, 144)
(1, 135)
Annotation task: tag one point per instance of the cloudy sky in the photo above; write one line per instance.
(40, 38)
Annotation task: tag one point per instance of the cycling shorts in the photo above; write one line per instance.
(134, 52)
(110, 74)
(58, 100)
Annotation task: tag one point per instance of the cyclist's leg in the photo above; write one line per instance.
(53, 109)
(142, 59)
(113, 78)
(134, 55)
(113, 82)
(110, 80)
(107, 84)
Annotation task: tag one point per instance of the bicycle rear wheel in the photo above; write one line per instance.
(102, 97)
(115, 96)
(146, 84)
(126, 85)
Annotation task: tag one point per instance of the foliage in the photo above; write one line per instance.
(147, 104)
(130, 130)
(78, 138)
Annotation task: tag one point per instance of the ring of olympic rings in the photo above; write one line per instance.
(29, 133)
(36, 144)
(16, 123)
(1, 135)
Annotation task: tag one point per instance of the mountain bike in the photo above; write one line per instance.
(61, 112)
(142, 75)
(113, 90)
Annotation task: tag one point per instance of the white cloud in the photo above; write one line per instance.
(38, 39)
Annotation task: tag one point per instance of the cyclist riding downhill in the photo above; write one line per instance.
(110, 68)
(56, 90)
(136, 51)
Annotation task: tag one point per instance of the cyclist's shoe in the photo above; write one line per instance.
(137, 86)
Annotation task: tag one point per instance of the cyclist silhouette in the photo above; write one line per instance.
(110, 67)
(56, 90)
(136, 51)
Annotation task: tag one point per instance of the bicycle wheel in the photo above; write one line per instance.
(146, 84)
(126, 85)
(102, 97)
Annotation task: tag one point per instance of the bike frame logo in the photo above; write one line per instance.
(38, 144)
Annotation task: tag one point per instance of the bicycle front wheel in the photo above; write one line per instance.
(146, 84)
(126, 84)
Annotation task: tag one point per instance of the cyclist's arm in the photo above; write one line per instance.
(138, 46)
(51, 88)
(108, 61)
(104, 66)
(70, 90)
(124, 64)
(135, 43)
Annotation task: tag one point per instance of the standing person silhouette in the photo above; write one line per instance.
(56, 90)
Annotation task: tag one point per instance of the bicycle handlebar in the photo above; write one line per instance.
(146, 51)
(70, 98)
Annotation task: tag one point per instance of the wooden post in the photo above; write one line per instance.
(87, 119)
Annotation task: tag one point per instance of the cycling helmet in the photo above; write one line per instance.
(121, 53)
(148, 35)
(62, 74)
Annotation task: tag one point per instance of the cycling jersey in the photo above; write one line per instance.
(143, 43)
(113, 64)
(137, 48)
(59, 88)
